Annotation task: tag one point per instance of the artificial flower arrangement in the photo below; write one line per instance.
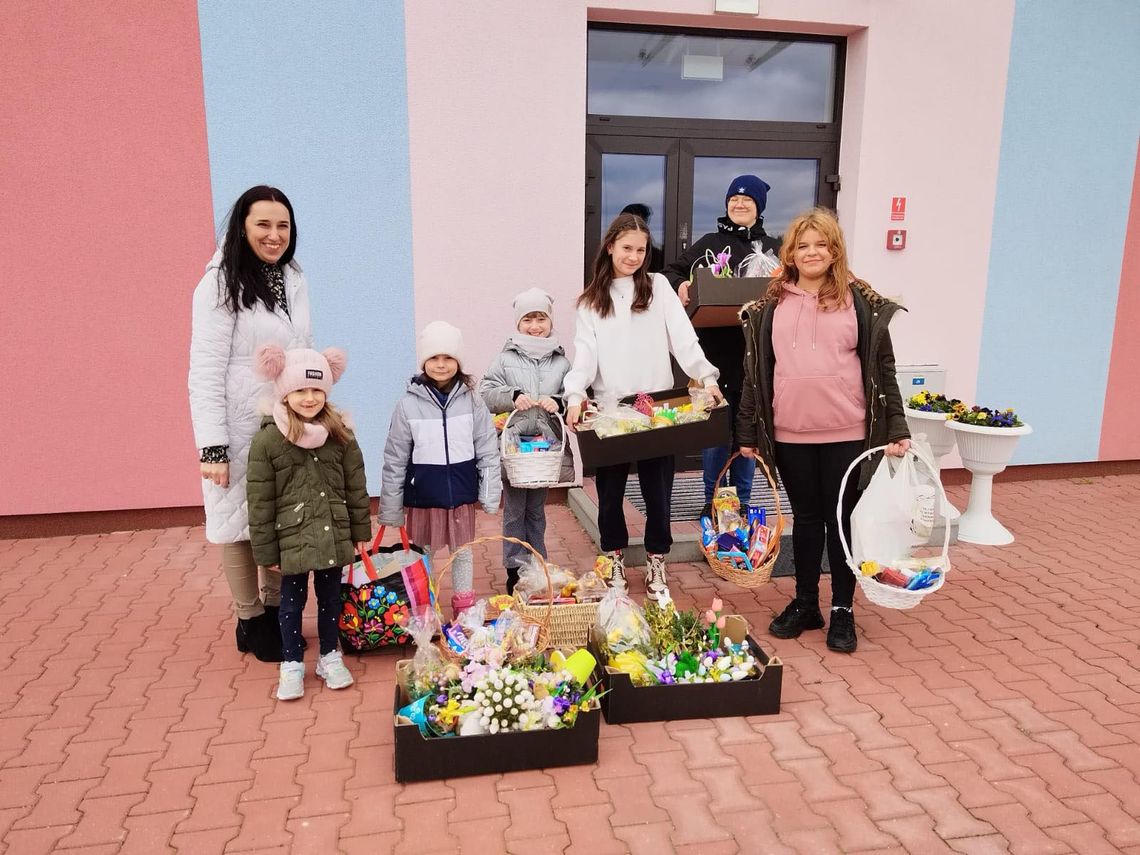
(494, 680)
(614, 419)
(956, 411)
(660, 646)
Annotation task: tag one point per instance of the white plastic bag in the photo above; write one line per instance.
(881, 522)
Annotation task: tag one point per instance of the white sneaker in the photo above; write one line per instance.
(655, 583)
(332, 670)
(617, 579)
(291, 684)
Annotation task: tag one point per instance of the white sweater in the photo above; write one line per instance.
(629, 352)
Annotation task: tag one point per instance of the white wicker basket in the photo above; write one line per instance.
(881, 594)
(533, 469)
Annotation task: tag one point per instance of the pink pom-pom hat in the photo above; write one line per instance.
(300, 368)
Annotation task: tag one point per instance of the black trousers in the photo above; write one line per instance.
(811, 473)
(294, 595)
(656, 478)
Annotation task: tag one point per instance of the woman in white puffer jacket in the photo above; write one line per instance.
(253, 293)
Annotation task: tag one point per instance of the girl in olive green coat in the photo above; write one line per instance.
(308, 504)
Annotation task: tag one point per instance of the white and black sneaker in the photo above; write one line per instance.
(655, 583)
(617, 574)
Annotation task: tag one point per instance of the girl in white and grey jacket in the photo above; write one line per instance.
(441, 457)
(527, 376)
(629, 322)
(253, 293)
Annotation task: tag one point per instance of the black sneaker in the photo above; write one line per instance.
(841, 633)
(798, 616)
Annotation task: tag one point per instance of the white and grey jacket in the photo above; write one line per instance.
(441, 452)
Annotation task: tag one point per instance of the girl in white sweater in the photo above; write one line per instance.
(629, 321)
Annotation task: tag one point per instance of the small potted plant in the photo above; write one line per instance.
(986, 438)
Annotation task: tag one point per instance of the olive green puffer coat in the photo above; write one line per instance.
(307, 507)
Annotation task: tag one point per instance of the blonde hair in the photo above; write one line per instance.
(329, 418)
(835, 292)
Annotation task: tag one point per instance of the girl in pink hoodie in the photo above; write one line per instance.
(819, 389)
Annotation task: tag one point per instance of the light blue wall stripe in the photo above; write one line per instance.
(312, 98)
(1068, 149)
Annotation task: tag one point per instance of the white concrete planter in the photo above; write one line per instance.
(939, 437)
(985, 451)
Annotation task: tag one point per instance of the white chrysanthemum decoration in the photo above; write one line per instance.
(504, 701)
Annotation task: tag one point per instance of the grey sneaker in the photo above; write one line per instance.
(331, 669)
(291, 683)
(617, 579)
(655, 582)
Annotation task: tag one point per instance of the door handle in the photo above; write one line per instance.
(683, 236)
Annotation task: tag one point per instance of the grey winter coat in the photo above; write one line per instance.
(514, 372)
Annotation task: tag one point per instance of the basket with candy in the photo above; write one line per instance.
(741, 548)
(887, 569)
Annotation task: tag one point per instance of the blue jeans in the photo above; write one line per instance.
(742, 470)
(740, 474)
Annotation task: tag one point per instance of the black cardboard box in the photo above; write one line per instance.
(420, 758)
(713, 432)
(716, 302)
(625, 703)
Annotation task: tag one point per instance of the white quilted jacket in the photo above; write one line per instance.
(225, 394)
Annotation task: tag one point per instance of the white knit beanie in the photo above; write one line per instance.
(439, 337)
(532, 300)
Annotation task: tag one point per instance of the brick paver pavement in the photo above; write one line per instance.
(1003, 714)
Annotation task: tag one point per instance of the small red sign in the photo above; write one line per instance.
(898, 208)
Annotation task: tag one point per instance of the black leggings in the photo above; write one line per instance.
(294, 595)
(811, 473)
(656, 478)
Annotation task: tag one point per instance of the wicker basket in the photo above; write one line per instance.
(763, 573)
(877, 592)
(535, 469)
(569, 624)
(539, 616)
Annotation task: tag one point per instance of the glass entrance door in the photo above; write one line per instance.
(674, 115)
(682, 182)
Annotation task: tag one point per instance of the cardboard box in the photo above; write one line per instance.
(716, 302)
(420, 758)
(714, 431)
(625, 703)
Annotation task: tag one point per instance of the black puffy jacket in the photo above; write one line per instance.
(724, 346)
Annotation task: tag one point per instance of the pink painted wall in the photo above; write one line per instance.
(496, 100)
(500, 143)
(1120, 437)
(106, 219)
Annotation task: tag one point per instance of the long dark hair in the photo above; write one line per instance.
(597, 293)
(242, 272)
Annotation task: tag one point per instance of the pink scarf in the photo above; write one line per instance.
(314, 436)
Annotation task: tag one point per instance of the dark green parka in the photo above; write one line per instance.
(307, 506)
(885, 418)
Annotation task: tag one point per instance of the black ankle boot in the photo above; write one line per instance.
(241, 634)
(265, 638)
(274, 613)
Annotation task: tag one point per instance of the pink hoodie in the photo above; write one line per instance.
(818, 379)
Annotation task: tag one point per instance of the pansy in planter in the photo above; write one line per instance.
(928, 402)
(985, 417)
